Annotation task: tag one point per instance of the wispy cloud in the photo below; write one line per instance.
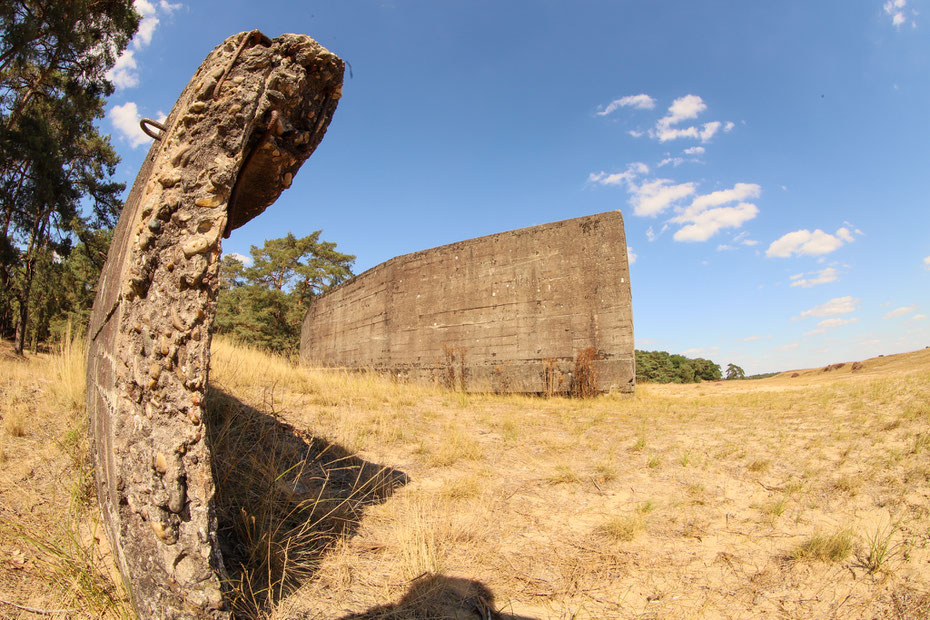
(897, 10)
(806, 243)
(701, 351)
(899, 312)
(695, 150)
(750, 338)
(631, 256)
(835, 307)
(638, 102)
(927, 263)
(619, 178)
(828, 324)
(824, 276)
(831, 323)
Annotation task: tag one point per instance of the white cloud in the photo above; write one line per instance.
(702, 222)
(824, 276)
(796, 276)
(653, 197)
(805, 242)
(814, 332)
(674, 161)
(740, 191)
(638, 102)
(650, 234)
(146, 30)
(750, 338)
(918, 317)
(619, 178)
(123, 72)
(787, 347)
(896, 9)
(630, 255)
(144, 8)
(636, 134)
(927, 263)
(683, 108)
(834, 307)
(728, 127)
(666, 134)
(125, 119)
(709, 130)
(242, 258)
(899, 312)
(844, 234)
(695, 150)
(723, 247)
(831, 323)
(706, 224)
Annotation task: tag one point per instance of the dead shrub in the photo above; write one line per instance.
(585, 379)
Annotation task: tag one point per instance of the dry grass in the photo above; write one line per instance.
(349, 495)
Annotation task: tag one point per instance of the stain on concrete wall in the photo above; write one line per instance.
(506, 312)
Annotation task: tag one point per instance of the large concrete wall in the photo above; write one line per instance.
(502, 308)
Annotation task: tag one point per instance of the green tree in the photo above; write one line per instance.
(661, 367)
(55, 168)
(735, 372)
(265, 303)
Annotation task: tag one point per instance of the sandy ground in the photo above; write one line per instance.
(801, 496)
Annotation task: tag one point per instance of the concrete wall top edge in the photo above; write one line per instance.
(450, 246)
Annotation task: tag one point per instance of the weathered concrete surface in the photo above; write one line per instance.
(253, 112)
(510, 311)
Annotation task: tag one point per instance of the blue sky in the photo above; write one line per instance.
(771, 159)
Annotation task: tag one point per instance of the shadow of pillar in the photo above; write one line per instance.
(283, 498)
(438, 597)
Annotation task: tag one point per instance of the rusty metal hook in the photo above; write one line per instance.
(144, 125)
(253, 38)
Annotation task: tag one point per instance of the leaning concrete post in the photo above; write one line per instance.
(253, 112)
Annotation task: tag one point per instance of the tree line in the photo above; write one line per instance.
(663, 367)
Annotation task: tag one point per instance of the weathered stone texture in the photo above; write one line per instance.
(253, 112)
(501, 309)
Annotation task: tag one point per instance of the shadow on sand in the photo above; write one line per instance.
(440, 597)
(283, 498)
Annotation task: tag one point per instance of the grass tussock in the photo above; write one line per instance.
(832, 547)
(623, 528)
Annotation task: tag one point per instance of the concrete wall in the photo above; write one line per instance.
(501, 308)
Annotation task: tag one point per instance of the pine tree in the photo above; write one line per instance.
(265, 303)
(55, 168)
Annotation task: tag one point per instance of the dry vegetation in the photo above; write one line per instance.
(349, 496)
